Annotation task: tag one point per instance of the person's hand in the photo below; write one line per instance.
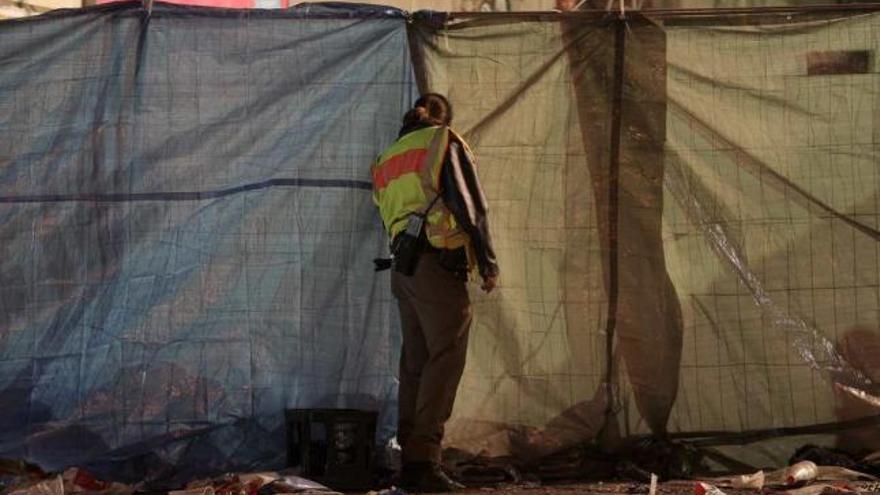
(489, 283)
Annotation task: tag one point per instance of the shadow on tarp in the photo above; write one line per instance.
(170, 461)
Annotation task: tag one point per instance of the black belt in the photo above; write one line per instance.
(426, 246)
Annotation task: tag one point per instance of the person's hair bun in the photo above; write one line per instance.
(416, 115)
(431, 109)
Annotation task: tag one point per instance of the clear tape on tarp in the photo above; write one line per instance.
(814, 348)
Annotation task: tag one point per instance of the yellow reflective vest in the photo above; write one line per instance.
(406, 179)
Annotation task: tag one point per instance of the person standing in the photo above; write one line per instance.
(434, 211)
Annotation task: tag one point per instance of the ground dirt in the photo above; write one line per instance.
(626, 488)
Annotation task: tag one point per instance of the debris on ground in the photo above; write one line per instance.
(828, 473)
(487, 472)
(20, 478)
(80, 481)
(801, 473)
(50, 486)
(16, 473)
(635, 470)
(746, 481)
(388, 491)
(204, 490)
(292, 484)
(260, 483)
(823, 489)
(667, 459)
(825, 456)
(701, 488)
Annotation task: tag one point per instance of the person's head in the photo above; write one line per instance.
(438, 107)
(430, 108)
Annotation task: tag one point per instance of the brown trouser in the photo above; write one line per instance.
(435, 313)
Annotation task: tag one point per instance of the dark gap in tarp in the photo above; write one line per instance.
(624, 137)
(417, 53)
(614, 212)
(596, 70)
(650, 330)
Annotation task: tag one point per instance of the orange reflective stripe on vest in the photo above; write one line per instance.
(404, 163)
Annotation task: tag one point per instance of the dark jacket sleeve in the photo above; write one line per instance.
(462, 194)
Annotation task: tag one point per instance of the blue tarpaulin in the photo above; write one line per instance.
(187, 231)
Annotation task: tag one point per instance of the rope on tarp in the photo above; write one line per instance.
(614, 217)
(668, 13)
(716, 438)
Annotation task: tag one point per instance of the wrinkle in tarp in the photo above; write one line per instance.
(685, 214)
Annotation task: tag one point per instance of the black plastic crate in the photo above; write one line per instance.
(332, 446)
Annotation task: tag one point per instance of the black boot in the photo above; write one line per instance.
(427, 477)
